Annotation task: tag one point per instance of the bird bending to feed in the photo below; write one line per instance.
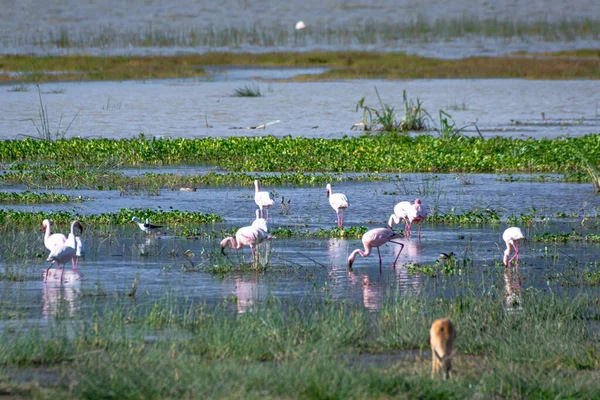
(262, 199)
(300, 25)
(246, 236)
(512, 236)
(260, 223)
(147, 226)
(63, 253)
(441, 340)
(339, 202)
(410, 213)
(376, 238)
(54, 240)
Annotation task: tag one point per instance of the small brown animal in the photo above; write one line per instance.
(441, 339)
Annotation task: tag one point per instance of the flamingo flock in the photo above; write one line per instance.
(64, 248)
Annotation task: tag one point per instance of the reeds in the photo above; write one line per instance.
(247, 91)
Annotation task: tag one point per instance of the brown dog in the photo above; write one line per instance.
(441, 339)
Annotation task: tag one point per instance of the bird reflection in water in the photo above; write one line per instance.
(246, 293)
(59, 297)
(512, 298)
(371, 291)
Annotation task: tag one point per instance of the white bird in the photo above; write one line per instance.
(262, 199)
(300, 25)
(62, 254)
(147, 226)
(339, 202)
(410, 213)
(260, 223)
(512, 236)
(246, 236)
(54, 240)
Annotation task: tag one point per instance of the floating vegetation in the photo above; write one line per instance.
(28, 197)
(487, 216)
(121, 217)
(376, 153)
(78, 177)
(548, 237)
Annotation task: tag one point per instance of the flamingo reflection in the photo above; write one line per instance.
(512, 298)
(59, 295)
(246, 293)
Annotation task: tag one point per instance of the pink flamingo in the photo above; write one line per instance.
(410, 213)
(339, 202)
(54, 240)
(262, 199)
(376, 238)
(512, 236)
(246, 236)
(260, 223)
(63, 253)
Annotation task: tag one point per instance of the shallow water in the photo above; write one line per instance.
(109, 27)
(206, 108)
(305, 267)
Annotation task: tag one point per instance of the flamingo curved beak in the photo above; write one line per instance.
(223, 251)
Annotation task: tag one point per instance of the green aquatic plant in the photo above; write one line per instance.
(44, 131)
(247, 91)
(574, 236)
(121, 217)
(28, 197)
(375, 153)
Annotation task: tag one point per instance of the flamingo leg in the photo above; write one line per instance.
(516, 254)
(401, 248)
(379, 254)
(62, 274)
(267, 214)
(342, 219)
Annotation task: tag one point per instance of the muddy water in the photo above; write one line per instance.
(307, 267)
(203, 108)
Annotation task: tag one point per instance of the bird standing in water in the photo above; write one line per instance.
(339, 202)
(512, 236)
(147, 226)
(410, 213)
(376, 238)
(262, 200)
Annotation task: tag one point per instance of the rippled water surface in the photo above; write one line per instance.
(116, 257)
(202, 108)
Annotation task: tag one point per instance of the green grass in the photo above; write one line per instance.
(247, 91)
(314, 348)
(379, 153)
(340, 65)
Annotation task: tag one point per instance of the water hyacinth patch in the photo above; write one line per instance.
(380, 153)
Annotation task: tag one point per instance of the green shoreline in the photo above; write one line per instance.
(581, 64)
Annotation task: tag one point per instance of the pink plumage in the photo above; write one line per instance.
(410, 213)
(51, 241)
(262, 199)
(246, 236)
(376, 238)
(512, 236)
(339, 202)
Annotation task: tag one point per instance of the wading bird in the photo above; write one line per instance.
(80, 248)
(376, 238)
(260, 223)
(63, 253)
(262, 200)
(246, 236)
(147, 226)
(410, 213)
(512, 236)
(339, 202)
(52, 240)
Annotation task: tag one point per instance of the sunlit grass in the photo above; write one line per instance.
(355, 65)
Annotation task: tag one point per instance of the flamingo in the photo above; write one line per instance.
(339, 202)
(409, 213)
(262, 199)
(54, 240)
(63, 253)
(512, 236)
(146, 227)
(246, 236)
(376, 238)
(260, 223)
